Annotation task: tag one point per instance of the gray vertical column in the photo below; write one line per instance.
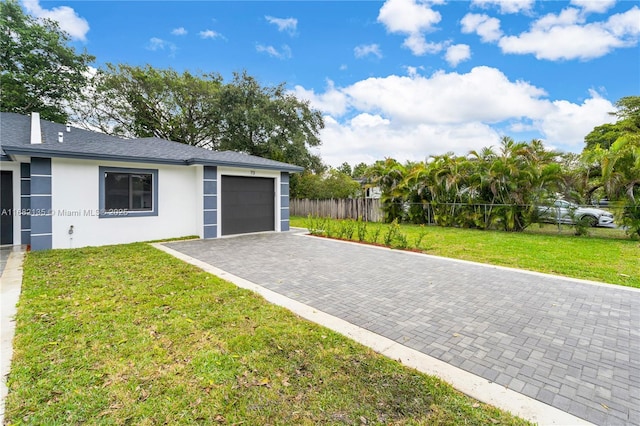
(284, 201)
(25, 203)
(41, 212)
(210, 202)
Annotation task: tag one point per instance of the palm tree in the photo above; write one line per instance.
(388, 175)
(415, 190)
(513, 180)
(619, 163)
(621, 178)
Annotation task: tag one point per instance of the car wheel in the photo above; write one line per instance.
(589, 220)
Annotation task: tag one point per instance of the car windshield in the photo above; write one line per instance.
(563, 204)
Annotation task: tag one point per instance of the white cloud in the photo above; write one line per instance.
(367, 120)
(569, 123)
(408, 16)
(596, 6)
(567, 17)
(284, 24)
(413, 18)
(332, 101)
(69, 21)
(368, 138)
(625, 25)
(457, 53)
(521, 126)
(486, 27)
(507, 6)
(156, 44)
(367, 49)
(179, 31)
(413, 71)
(483, 94)
(410, 117)
(420, 46)
(565, 36)
(209, 34)
(283, 53)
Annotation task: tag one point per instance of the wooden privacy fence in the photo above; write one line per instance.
(345, 208)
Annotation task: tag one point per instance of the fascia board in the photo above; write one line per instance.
(12, 151)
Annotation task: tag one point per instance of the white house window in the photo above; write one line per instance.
(128, 192)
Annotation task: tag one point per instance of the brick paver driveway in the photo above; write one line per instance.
(570, 344)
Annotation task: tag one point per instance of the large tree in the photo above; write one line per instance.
(269, 122)
(359, 170)
(133, 101)
(330, 184)
(618, 164)
(202, 110)
(605, 135)
(39, 71)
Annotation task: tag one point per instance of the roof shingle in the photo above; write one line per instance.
(80, 143)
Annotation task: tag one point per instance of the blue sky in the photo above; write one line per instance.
(402, 78)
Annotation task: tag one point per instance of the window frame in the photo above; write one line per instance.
(102, 170)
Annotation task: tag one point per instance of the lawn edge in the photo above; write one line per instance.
(471, 262)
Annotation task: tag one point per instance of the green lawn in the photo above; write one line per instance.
(604, 256)
(129, 335)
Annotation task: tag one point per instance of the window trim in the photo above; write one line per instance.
(128, 213)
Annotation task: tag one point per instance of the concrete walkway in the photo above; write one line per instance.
(5, 251)
(569, 344)
(10, 285)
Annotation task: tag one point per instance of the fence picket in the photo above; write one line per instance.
(350, 208)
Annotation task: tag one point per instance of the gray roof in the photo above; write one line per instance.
(15, 130)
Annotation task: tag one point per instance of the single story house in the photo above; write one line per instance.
(65, 187)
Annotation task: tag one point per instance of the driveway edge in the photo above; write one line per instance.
(467, 383)
(486, 265)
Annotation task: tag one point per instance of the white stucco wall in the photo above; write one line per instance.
(232, 171)
(75, 201)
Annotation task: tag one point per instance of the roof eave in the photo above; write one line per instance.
(47, 153)
(283, 168)
(12, 151)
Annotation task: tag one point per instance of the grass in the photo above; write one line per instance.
(129, 335)
(604, 256)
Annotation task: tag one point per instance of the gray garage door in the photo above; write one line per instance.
(248, 204)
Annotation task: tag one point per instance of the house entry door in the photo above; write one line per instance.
(6, 207)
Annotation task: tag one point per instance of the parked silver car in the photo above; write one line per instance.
(563, 211)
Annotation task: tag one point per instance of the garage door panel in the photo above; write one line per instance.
(248, 204)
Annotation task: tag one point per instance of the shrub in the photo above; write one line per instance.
(376, 234)
(361, 229)
(400, 241)
(629, 217)
(349, 228)
(312, 224)
(582, 226)
(318, 225)
(420, 236)
(392, 231)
